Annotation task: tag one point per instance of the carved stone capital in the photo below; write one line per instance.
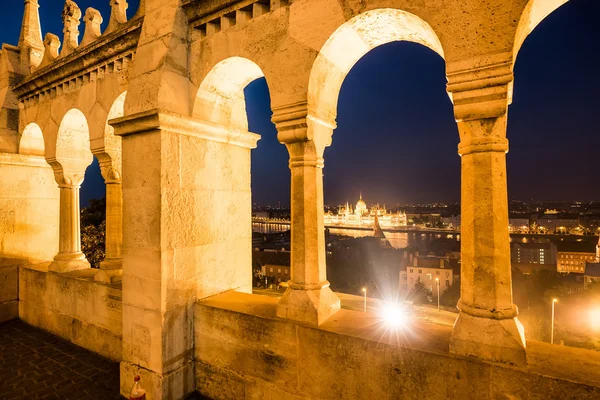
(67, 176)
(92, 20)
(110, 173)
(68, 179)
(110, 164)
(481, 87)
(295, 124)
(51, 46)
(71, 17)
(118, 15)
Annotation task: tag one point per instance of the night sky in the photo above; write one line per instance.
(396, 139)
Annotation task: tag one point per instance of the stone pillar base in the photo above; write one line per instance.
(498, 340)
(174, 385)
(112, 263)
(109, 275)
(69, 262)
(308, 305)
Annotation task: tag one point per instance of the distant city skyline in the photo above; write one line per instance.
(396, 139)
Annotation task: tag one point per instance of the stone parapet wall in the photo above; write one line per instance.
(28, 222)
(9, 293)
(74, 307)
(244, 351)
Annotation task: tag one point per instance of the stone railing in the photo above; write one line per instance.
(244, 351)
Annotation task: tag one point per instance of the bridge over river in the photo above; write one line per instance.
(400, 229)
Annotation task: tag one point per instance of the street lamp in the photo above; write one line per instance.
(552, 330)
(437, 282)
(365, 299)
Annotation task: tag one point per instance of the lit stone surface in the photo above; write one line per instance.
(244, 351)
(73, 307)
(176, 161)
(28, 214)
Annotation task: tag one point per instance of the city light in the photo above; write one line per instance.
(394, 315)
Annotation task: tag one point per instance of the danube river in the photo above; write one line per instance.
(398, 240)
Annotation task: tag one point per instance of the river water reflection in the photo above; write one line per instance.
(398, 240)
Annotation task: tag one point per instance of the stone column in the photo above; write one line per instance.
(308, 298)
(487, 326)
(113, 258)
(69, 257)
(186, 235)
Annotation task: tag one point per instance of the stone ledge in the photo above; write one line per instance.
(73, 306)
(23, 160)
(352, 356)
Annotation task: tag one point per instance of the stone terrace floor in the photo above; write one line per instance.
(36, 364)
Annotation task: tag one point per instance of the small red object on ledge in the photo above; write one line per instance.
(137, 393)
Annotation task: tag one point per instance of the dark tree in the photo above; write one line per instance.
(419, 293)
(93, 228)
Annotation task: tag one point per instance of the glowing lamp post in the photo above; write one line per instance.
(365, 299)
(437, 282)
(552, 329)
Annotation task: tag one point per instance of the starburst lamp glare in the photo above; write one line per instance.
(394, 316)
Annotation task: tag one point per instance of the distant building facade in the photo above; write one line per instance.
(427, 269)
(547, 224)
(573, 256)
(362, 216)
(274, 264)
(533, 256)
(592, 269)
(518, 225)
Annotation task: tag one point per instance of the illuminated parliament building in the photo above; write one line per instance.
(361, 216)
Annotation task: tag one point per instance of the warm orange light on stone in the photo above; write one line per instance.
(159, 101)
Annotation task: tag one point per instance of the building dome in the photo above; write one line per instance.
(361, 206)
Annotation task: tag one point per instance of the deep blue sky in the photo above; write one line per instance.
(396, 138)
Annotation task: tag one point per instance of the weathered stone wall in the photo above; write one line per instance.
(28, 221)
(243, 351)
(74, 307)
(188, 236)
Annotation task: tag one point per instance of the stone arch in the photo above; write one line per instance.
(351, 41)
(534, 12)
(109, 150)
(31, 141)
(220, 97)
(73, 143)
